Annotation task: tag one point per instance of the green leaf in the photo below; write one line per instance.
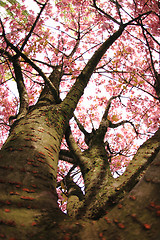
(2, 4)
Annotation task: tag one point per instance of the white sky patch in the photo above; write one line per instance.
(13, 87)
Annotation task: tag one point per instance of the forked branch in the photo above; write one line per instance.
(23, 95)
(115, 125)
(104, 13)
(32, 64)
(33, 27)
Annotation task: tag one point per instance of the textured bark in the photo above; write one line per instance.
(137, 216)
(28, 172)
(28, 180)
(102, 191)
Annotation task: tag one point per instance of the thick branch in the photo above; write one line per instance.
(72, 98)
(73, 146)
(81, 127)
(137, 215)
(65, 155)
(75, 197)
(104, 124)
(76, 152)
(115, 189)
(73, 188)
(144, 156)
(88, 136)
(105, 115)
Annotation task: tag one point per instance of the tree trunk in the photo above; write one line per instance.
(28, 172)
(28, 197)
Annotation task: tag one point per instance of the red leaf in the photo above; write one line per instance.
(147, 226)
(7, 210)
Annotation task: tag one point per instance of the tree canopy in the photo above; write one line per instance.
(111, 48)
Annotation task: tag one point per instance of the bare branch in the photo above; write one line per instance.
(77, 41)
(149, 49)
(38, 3)
(88, 70)
(104, 13)
(156, 75)
(75, 48)
(105, 115)
(81, 127)
(104, 124)
(118, 6)
(24, 100)
(32, 64)
(33, 27)
(88, 136)
(84, 77)
(138, 18)
(135, 86)
(4, 52)
(39, 61)
(115, 125)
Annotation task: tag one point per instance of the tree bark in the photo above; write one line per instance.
(28, 197)
(28, 171)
